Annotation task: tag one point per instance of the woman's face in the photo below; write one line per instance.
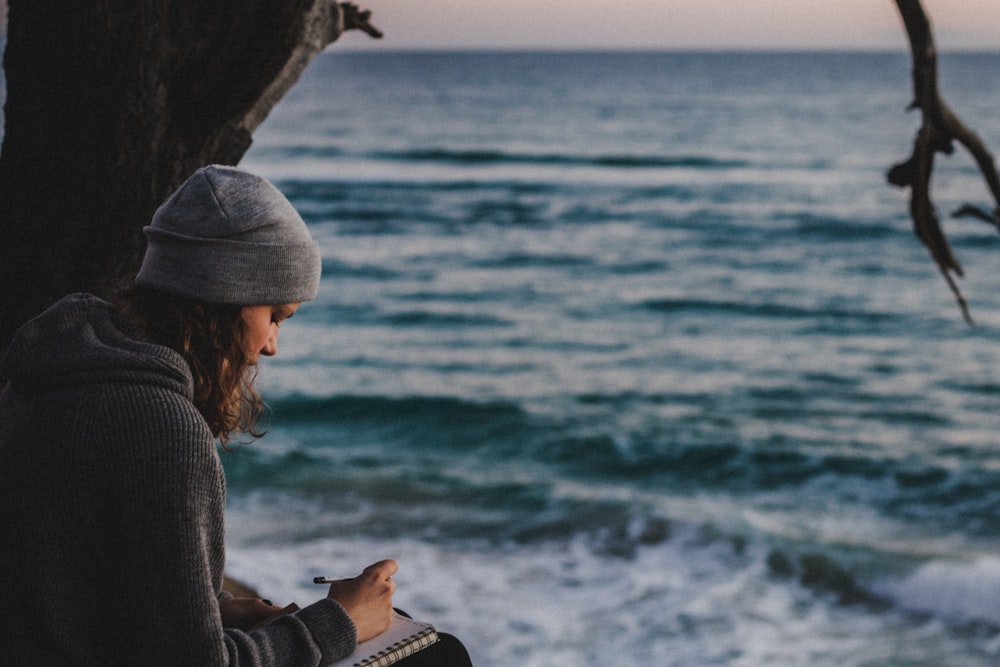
(262, 328)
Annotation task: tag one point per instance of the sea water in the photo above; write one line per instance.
(634, 359)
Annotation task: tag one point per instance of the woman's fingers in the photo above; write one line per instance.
(367, 598)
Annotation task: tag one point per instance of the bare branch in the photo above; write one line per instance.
(355, 19)
(971, 211)
(940, 126)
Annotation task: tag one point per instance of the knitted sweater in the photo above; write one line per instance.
(111, 510)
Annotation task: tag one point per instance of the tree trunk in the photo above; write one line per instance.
(111, 104)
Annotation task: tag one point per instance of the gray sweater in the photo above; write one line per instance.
(111, 510)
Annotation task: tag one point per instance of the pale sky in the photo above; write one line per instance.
(672, 24)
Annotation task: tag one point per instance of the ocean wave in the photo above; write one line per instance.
(848, 230)
(525, 259)
(336, 268)
(450, 434)
(820, 313)
(426, 318)
(676, 595)
(434, 412)
(822, 573)
(962, 591)
(623, 161)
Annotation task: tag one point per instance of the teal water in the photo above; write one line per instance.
(633, 359)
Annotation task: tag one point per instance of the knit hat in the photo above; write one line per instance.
(227, 236)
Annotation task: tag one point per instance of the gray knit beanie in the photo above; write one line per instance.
(227, 236)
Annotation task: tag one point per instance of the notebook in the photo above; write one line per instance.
(404, 637)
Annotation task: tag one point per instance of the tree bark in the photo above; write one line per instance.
(111, 104)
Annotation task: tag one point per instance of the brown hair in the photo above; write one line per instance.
(212, 339)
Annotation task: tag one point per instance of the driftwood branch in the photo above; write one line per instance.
(940, 127)
(357, 19)
(321, 25)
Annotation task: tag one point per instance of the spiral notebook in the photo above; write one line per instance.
(403, 638)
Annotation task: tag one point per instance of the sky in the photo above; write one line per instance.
(671, 24)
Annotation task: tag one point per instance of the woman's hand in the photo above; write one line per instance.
(367, 598)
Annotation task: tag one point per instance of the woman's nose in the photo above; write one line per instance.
(271, 346)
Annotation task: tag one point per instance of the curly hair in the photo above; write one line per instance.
(212, 339)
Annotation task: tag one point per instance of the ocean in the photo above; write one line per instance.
(634, 359)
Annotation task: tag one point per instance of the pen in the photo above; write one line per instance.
(329, 580)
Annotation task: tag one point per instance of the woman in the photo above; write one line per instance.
(111, 489)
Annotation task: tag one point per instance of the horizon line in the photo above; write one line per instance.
(790, 50)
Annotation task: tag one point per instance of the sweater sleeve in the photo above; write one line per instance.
(294, 635)
(175, 490)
